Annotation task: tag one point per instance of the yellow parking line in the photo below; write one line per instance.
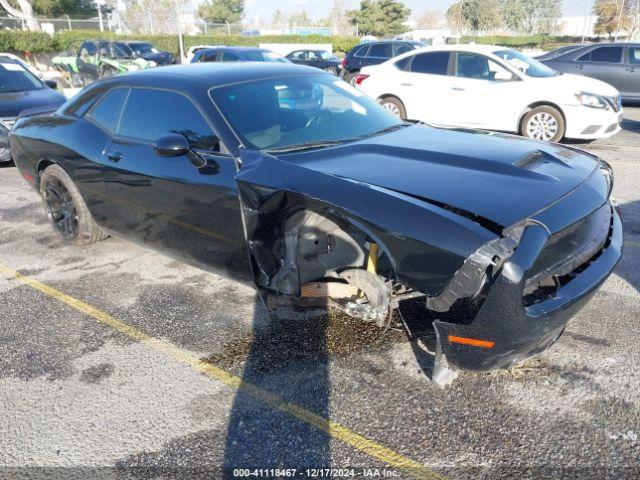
(630, 243)
(334, 429)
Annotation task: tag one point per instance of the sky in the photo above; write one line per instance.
(262, 10)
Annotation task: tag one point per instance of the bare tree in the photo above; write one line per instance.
(23, 11)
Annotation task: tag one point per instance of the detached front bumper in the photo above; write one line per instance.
(505, 331)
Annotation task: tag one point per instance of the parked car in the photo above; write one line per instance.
(617, 64)
(557, 52)
(237, 54)
(195, 49)
(149, 52)
(373, 53)
(99, 59)
(21, 90)
(493, 88)
(280, 175)
(317, 58)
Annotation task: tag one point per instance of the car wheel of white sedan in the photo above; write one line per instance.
(543, 123)
(393, 105)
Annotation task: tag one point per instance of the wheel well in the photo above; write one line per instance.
(316, 245)
(540, 104)
(42, 165)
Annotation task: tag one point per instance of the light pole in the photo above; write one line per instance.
(99, 5)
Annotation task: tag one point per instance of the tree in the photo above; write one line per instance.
(221, 11)
(513, 13)
(476, 15)
(279, 18)
(429, 19)
(300, 19)
(380, 17)
(64, 7)
(541, 16)
(609, 15)
(455, 18)
(24, 11)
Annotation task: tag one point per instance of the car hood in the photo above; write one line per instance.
(12, 103)
(501, 178)
(578, 83)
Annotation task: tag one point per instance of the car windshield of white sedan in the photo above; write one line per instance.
(525, 64)
(15, 78)
(300, 112)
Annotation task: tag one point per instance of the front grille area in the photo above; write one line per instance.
(566, 252)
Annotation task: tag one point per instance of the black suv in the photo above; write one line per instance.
(374, 53)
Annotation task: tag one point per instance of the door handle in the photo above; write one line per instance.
(631, 69)
(407, 84)
(114, 156)
(458, 89)
(580, 67)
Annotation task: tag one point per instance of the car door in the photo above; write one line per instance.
(297, 57)
(87, 60)
(91, 138)
(485, 94)
(603, 63)
(377, 54)
(423, 85)
(631, 76)
(186, 205)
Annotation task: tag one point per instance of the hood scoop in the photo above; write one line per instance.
(535, 159)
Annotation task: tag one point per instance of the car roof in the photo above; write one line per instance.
(485, 49)
(211, 73)
(238, 49)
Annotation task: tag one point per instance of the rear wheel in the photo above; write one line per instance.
(331, 70)
(543, 123)
(393, 105)
(350, 78)
(67, 211)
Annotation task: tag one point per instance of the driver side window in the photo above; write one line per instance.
(145, 117)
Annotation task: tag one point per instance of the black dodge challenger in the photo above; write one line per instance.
(284, 176)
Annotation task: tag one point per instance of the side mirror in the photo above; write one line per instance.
(51, 84)
(172, 145)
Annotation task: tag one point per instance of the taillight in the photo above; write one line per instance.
(344, 62)
(361, 77)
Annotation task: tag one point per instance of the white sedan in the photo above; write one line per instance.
(493, 88)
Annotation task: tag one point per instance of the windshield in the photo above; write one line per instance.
(525, 64)
(142, 48)
(263, 56)
(121, 50)
(284, 112)
(15, 78)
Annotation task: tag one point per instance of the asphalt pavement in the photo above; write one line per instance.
(119, 362)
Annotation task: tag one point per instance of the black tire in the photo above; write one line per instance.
(66, 209)
(543, 123)
(394, 105)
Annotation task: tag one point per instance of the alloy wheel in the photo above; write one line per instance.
(392, 108)
(542, 126)
(61, 210)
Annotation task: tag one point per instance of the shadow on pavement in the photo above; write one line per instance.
(287, 357)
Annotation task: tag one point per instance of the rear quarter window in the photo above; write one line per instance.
(107, 110)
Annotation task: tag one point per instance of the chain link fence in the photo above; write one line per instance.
(167, 24)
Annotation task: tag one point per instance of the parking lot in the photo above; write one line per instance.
(121, 362)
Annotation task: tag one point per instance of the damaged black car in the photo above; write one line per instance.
(288, 178)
